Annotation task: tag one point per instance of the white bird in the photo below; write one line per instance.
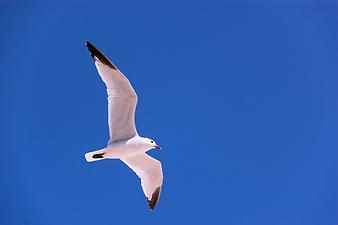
(125, 143)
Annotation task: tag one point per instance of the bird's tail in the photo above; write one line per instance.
(95, 155)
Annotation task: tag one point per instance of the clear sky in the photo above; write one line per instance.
(241, 96)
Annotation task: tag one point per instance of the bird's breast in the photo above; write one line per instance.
(124, 150)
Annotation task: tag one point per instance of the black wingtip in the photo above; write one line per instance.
(154, 198)
(95, 52)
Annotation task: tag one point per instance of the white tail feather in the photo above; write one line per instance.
(89, 155)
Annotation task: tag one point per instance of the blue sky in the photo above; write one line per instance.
(241, 96)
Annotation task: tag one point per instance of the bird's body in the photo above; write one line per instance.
(122, 149)
(125, 143)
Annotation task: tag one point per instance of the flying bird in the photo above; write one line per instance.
(125, 143)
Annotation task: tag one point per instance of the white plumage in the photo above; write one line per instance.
(125, 143)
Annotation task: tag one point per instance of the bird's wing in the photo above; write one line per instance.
(122, 98)
(150, 172)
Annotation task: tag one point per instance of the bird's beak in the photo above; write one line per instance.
(158, 147)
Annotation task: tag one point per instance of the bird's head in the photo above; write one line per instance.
(151, 143)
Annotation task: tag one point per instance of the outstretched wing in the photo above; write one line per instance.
(122, 98)
(150, 172)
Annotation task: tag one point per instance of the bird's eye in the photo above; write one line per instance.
(152, 141)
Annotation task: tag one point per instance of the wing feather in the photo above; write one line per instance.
(122, 98)
(149, 170)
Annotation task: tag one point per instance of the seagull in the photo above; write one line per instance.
(125, 143)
